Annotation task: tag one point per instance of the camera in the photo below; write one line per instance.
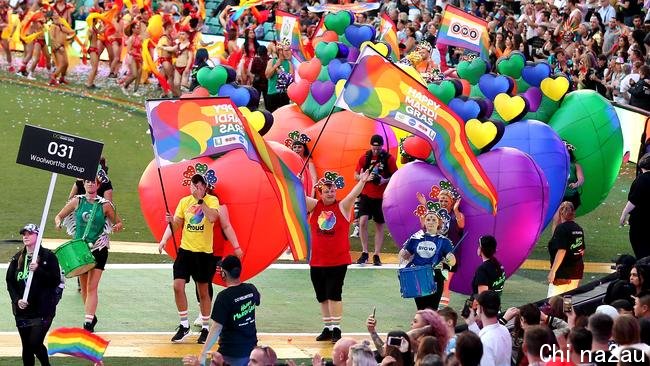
(469, 303)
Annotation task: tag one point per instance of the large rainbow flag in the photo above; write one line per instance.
(76, 342)
(379, 89)
(464, 30)
(388, 34)
(287, 29)
(185, 129)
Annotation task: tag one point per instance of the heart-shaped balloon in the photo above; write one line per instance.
(472, 71)
(339, 70)
(381, 47)
(491, 85)
(533, 74)
(322, 91)
(511, 65)
(326, 52)
(353, 55)
(483, 135)
(310, 69)
(252, 204)
(298, 91)
(239, 95)
(541, 143)
(534, 97)
(344, 50)
(510, 108)
(417, 147)
(555, 88)
(212, 78)
(198, 92)
(338, 21)
(467, 108)
(324, 73)
(261, 120)
(327, 36)
(357, 34)
(286, 119)
(522, 203)
(446, 90)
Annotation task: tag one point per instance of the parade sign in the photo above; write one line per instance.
(59, 152)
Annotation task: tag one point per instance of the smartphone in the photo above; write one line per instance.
(374, 311)
(567, 303)
(466, 309)
(394, 341)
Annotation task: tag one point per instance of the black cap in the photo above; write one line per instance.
(196, 178)
(626, 260)
(232, 265)
(377, 140)
(32, 228)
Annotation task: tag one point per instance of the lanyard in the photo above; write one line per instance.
(22, 276)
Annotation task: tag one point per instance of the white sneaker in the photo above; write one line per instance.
(198, 322)
(355, 232)
(30, 76)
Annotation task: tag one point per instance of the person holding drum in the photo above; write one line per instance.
(427, 247)
(99, 213)
(34, 316)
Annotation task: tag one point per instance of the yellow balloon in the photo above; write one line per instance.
(256, 119)
(413, 73)
(155, 27)
(379, 47)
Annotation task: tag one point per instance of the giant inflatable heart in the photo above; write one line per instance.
(252, 204)
(286, 119)
(522, 203)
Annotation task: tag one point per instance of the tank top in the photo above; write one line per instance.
(82, 215)
(330, 242)
(273, 80)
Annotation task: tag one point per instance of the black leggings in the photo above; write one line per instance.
(32, 334)
(432, 301)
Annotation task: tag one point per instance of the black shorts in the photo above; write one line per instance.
(198, 265)
(371, 207)
(101, 257)
(328, 282)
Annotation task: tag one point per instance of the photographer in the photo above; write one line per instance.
(640, 90)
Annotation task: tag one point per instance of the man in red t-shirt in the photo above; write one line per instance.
(329, 222)
(381, 166)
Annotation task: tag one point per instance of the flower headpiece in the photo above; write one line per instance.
(445, 187)
(433, 208)
(202, 169)
(330, 178)
(101, 175)
(296, 136)
(424, 45)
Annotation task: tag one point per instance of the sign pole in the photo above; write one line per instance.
(41, 229)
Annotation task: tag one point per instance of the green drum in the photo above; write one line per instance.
(75, 257)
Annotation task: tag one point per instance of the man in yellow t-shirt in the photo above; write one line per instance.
(196, 215)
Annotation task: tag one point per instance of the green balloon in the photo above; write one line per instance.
(326, 52)
(338, 21)
(497, 117)
(472, 71)
(589, 122)
(323, 75)
(475, 92)
(522, 85)
(315, 111)
(511, 65)
(445, 91)
(545, 110)
(212, 78)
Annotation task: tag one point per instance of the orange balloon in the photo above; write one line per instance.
(328, 36)
(417, 147)
(467, 87)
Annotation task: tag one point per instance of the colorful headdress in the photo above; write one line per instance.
(447, 188)
(424, 45)
(296, 136)
(330, 178)
(433, 208)
(202, 169)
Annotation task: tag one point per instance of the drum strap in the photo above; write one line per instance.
(90, 220)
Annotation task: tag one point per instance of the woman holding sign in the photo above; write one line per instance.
(34, 316)
(79, 212)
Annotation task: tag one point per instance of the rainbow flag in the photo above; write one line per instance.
(464, 30)
(388, 35)
(76, 342)
(379, 89)
(287, 29)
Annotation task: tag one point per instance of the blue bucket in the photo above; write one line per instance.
(416, 281)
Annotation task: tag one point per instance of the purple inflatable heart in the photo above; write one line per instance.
(533, 74)
(466, 109)
(522, 203)
(534, 97)
(487, 108)
(491, 85)
(353, 54)
(343, 51)
(338, 70)
(357, 34)
(322, 91)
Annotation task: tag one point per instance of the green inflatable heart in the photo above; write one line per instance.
(545, 110)
(338, 21)
(212, 79)
(326, 52)
(445, 91)
(511, 65)
(589, 122)
(472, 71)
(324, 74)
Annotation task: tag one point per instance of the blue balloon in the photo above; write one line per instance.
(239, 95)
(543, 144)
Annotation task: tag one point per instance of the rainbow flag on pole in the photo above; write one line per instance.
(380, 90)
(287, 29)
(388, 35)
(464, 30)
(76, 342)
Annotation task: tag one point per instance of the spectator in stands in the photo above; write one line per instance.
(496, 340)
(450, 317)
(262, 356)
(642, 305)
(621, 288)
(640, 279)
(361, 355)
(626, 332)
(536, 338)
(398, 347)
(640, 90)
(600, 326)
(623, 306)
(469, 349)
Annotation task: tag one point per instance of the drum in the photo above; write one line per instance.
(416, 281)
(75, 257)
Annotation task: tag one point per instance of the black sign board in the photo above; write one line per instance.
(59, 152)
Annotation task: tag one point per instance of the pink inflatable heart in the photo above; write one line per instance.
(522, 203)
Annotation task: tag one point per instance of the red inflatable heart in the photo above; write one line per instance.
(310, 69)
(252, 204)
(286, 119)
(299, 91)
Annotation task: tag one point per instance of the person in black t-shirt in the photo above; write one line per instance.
(490, 275)
(233, 317)
(566, 250)
(638, 207)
